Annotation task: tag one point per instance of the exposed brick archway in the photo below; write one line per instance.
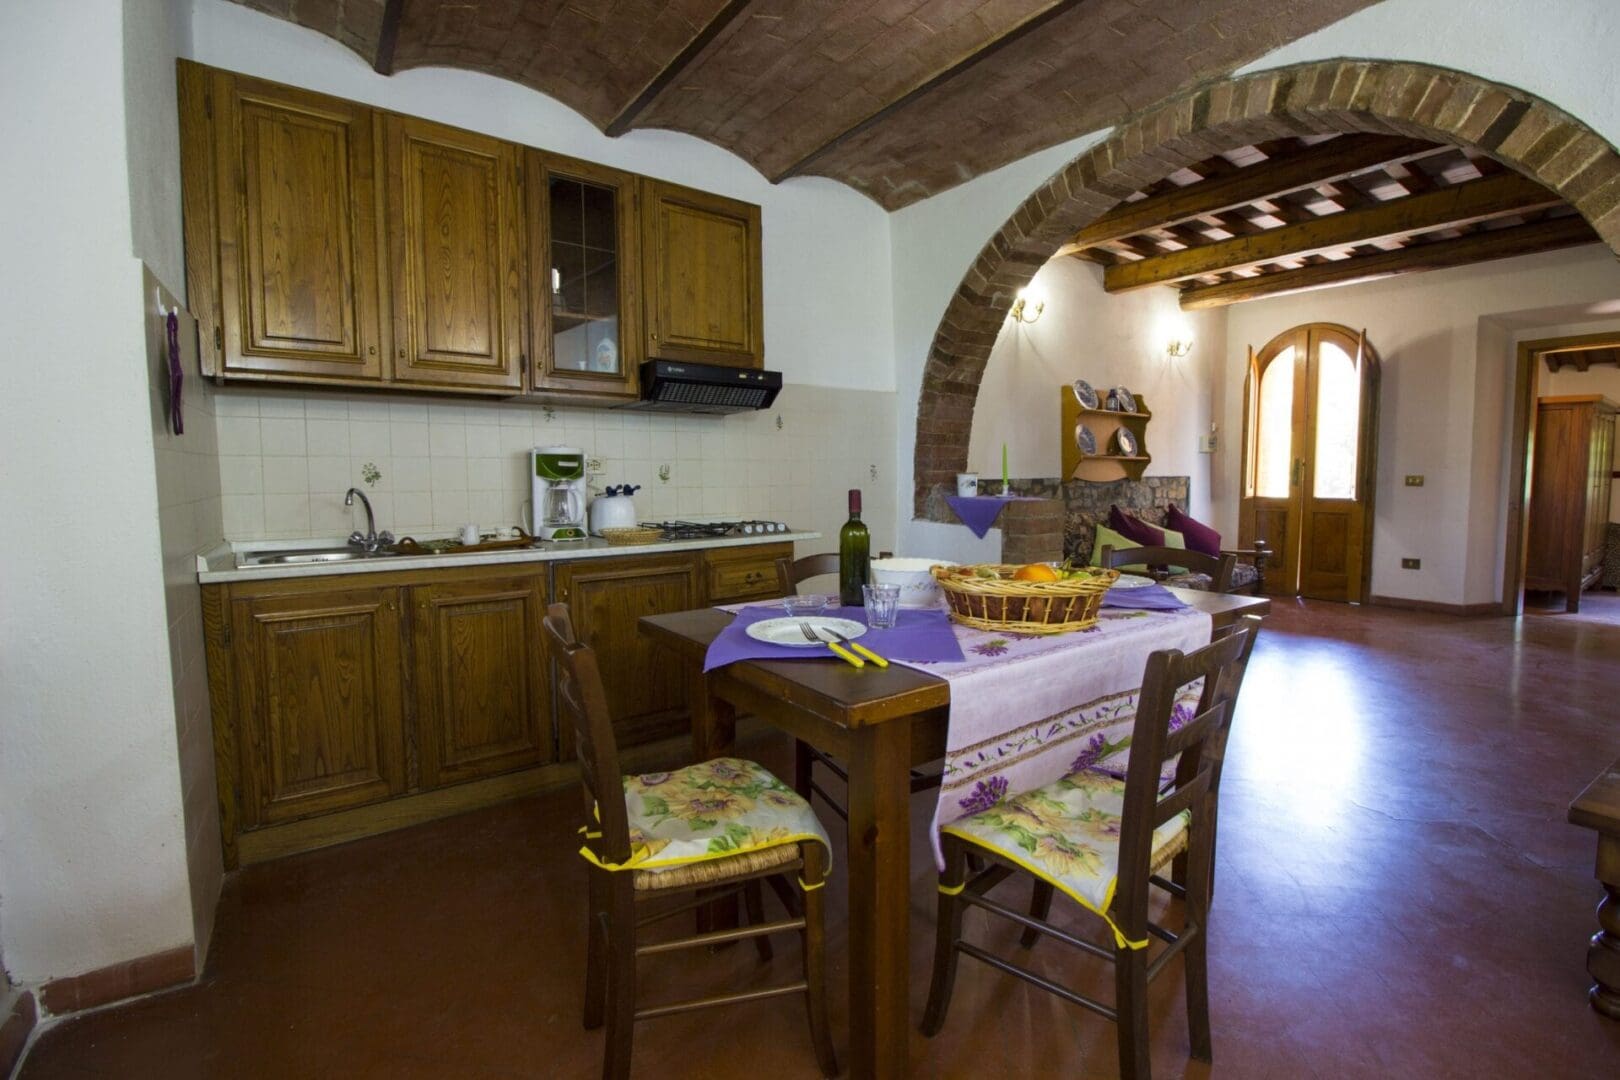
(1439, 104)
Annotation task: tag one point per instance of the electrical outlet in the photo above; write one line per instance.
(1414, 480)
(1411, 564)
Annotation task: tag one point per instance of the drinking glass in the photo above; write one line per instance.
(882, 605)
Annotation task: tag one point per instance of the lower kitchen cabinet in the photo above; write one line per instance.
(320, 718)
(483, 704)
(733, 575)
(647, 693)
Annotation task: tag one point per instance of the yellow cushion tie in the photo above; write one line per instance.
(952, 890)
(811, 888)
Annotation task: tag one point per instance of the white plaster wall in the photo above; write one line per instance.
(826, 248)
(1108, 341)
(92, 843)
(1444, 406)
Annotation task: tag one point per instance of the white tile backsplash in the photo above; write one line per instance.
(286, 459)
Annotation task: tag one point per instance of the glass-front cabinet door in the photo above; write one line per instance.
(586, 303)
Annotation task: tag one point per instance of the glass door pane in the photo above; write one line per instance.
(1338, 423)
(1274, 438)
(584, 276)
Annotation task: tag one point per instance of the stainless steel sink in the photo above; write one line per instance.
(318, 555)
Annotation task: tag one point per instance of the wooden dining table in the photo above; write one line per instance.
(880, 722)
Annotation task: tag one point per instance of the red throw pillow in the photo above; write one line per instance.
(1198, 536)
(1134, 528)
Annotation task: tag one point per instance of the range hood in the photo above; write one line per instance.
(672, 386)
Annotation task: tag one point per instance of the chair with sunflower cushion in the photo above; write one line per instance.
(721, 826)
(1105, 842)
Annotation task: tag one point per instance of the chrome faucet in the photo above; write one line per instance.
(371, 541)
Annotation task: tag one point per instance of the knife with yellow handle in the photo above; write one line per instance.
(858, 647)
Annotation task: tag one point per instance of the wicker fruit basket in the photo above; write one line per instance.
(986, 597)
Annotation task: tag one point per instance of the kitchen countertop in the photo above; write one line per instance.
(218, 564)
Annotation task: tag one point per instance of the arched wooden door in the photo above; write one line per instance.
(1310, 436)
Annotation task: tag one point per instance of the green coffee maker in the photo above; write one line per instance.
(558, 475)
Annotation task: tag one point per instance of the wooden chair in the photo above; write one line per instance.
(1257, 557)
(1096, 838)
(1219, 571)
(624, 843)
(790, 572)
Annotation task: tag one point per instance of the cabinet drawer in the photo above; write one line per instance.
(746, 574)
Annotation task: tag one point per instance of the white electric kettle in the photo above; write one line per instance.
(614, 509)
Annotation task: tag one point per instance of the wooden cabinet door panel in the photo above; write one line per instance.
(646, 688)
(453, 231)
(320, 703)
(736, 574)
(481, 688)
(299, 290)
(702, 277)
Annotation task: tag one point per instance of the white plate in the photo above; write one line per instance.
(1128, 581)
(787, 632)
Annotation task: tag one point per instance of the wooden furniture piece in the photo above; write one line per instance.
(881, 721)
(351, 704)
(1156, 559)
(328, 242)
(584, 277)
(1598, 808)
(1569, 495)
(1106, 464)
(1151, 832)
(704, 290)
(616, 888)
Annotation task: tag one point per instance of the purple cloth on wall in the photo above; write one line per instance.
(918, 635)
(979, 512)
(1197, 535)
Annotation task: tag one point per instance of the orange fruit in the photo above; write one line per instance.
(1036, 571)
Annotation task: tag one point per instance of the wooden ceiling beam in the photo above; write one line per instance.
(672, 70)
(387, 37)
(933, 82)
(1476, 247)
(1452, 207)
(1328, 162)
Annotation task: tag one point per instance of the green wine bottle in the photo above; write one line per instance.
(854, 555)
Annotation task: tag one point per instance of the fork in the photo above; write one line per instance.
(811, 635)
(857, 647)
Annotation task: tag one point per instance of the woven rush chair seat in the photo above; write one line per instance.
(1067, 834)
(728, 868)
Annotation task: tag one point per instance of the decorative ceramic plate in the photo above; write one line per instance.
(1132, 581)
(1085, 440)
(1084, 394)
(1125, 442)
(1127, 403)
(787, 632)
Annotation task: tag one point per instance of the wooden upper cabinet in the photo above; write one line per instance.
(702, 276)
(483, 704)
(453, 238)
(584, 276)
(282, 247)
(321, 714)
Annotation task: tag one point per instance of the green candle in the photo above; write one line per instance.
(1003, 466)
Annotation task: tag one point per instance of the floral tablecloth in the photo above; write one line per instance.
(1028, 709)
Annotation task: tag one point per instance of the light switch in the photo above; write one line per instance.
(1206, 444)
(1414, 480)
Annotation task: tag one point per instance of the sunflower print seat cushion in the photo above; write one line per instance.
(1067, 833)
(712, 810)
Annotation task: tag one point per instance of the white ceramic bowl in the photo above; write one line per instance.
(917, 586)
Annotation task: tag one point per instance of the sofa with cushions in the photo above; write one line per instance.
(1172, 527)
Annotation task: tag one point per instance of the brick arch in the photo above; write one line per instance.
(1340, 96)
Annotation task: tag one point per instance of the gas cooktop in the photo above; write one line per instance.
(705, 530)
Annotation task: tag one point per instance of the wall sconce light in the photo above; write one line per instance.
(1178, 348)
(1023, 312)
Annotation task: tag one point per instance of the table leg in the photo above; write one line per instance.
(1603, 955)
(879, 900)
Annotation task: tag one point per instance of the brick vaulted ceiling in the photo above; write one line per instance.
(900, 99)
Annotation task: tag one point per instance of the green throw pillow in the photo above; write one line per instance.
(1107, 537)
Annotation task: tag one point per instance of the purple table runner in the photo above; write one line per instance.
(920, 636)
(979, 512)
(1143, 598)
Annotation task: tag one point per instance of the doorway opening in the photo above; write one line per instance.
(1562, 467)
(1310, 435)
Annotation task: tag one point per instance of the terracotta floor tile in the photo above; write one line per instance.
(1398, 895)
